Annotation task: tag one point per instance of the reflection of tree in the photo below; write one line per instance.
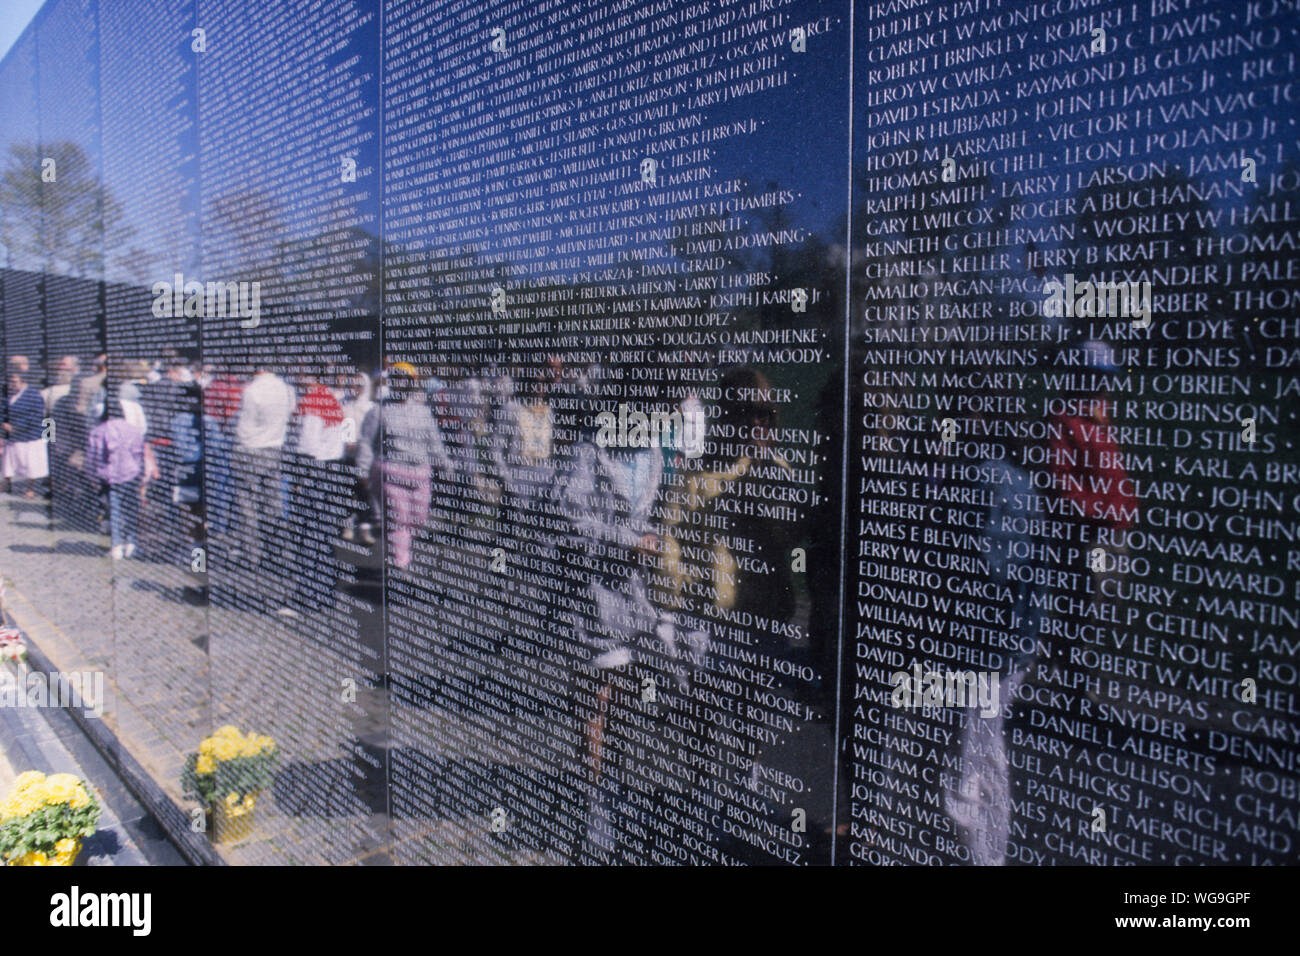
(63, 226)
(243, 237)
(1106, 208)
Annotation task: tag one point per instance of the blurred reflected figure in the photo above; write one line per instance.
(399, 449)
(981, 803)
(317, 496)
(522, 454)
(609, 500)
(265, 408)
(706, 573)
(26, 462)
(115, 456)
(64, 374)
(357, 402)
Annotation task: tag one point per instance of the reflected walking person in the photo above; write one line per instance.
(115, 456)
(609, 501)
(265, 409)
(25, 456)
(399, 449)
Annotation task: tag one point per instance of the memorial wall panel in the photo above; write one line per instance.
(24, 469)
(150, 150)
(605, 647)
(750, 432)
(1072, 435)
(72, 224)
(290, 213)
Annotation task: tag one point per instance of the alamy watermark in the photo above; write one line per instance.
(211, 300)
(630, 428)
(56, 689)
(1111, 300)
(130, 910)
(962, 689)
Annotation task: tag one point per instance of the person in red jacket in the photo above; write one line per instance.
(1088, 467)
(1088, 470)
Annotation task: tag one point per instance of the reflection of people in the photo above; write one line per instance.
(88, 387)
(72, 491)
(476, 409)
(399, 449)
(220, 411)
(185, 434)
(980, 804)
(115, 456)
(316, 494)
(68, 367)
(742, 573)
(1088, 473)
(25, 456)
(608, 500)
(1086, 462)
(357, 403)
(265, 408)
(764, 586)
(522, 455)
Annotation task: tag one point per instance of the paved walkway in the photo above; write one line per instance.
(49, 740)
(179, 661)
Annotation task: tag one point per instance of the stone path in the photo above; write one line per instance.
(49, 740)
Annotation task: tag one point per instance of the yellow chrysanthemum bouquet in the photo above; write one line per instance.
(229, 771)
(44, 819)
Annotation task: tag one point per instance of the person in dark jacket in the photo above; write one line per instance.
(26, 460)
(609, 499)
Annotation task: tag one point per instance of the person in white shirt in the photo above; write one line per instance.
(319, 493)
(266, 407)
(67, 370)
(357, 403)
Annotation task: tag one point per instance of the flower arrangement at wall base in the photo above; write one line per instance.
(12, 645)
(44, 819)
(227, 775)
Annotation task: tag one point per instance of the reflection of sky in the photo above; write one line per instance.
(800, 144)
(14, 17)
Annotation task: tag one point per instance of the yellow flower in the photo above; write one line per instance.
(232, 799)
(249, 801)
(59, 792)
(225, 749)
(19, 805)
(80, 799)
(28, 779)
(205, 764)
(33, 790)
